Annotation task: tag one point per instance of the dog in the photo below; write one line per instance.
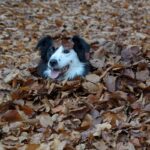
(62, 63)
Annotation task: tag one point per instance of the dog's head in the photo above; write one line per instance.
(60, 60)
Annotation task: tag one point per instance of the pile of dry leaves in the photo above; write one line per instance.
(108, 109)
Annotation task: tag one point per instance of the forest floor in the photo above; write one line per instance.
(109, 109)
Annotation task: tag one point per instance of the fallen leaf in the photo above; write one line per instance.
(130, 53)
(113, 117)
(101, 127)
(147, 108)
(136, 142)
(98, 63)
(110, 82)
(112, 47)
(10, 140)
(129, 72)
(27, 110)
(80, 147)
(79, 112)
(58, 145)
(122, 146)
(11, 76)
(58, 22)
(93, 78)
(21, 93)
(32, 146)
(11, 116)
(45, 120)
(71, 85)
(58, 108)
(87, 122)
(100, 145)
(92, 99)
(140, 35)
(36, 138)
(99, 54)
(143, 75)
(91, 87)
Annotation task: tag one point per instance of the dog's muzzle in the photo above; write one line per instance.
(53, 63)
(56, 72)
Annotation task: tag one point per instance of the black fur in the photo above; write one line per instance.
(46, 47)
(81, 48)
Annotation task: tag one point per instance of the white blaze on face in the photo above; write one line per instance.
(63, 59)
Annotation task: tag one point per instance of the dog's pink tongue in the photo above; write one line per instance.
(54, 74)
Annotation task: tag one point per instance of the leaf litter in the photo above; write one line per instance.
(108, 109)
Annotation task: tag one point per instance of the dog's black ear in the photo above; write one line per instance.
(46, 47)
(81, 47)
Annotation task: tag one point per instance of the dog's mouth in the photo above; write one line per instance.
(56, 73)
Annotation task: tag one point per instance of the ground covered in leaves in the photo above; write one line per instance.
(108, 109)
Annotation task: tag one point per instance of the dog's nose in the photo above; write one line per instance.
(53, 62)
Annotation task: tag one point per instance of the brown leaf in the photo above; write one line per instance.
(98, 63)
(112, 47)
(32, 146)
(58, 108)
(143, 75)
(136, 105)
(92, 99)
(47, 105)
(11, 76)
(79, 112)
(147, 108)
(129, 72)
(11, 116)
(113, 117)
(20, 93)
(100, 145)
(99, 54)
(58, 145)
(101, 127)
(80, 146)
(58, 22)
(10, 140)
(27, 110)
(87, 122)
(110, 82)
(122, 146)
(45, 120)
(91, 87)
(93, 78)
(130, 53)
(136, 142)
(6, 106)
(71, 85)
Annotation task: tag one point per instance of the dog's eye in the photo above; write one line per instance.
(66, 51)
(53, 49)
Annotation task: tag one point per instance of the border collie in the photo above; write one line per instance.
(62, 63)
